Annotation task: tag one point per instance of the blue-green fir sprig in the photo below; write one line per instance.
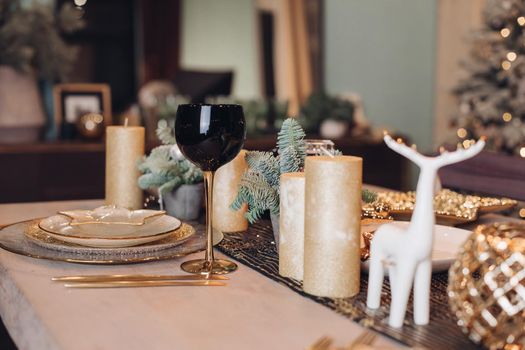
(291, 147)
(259, 185)
(255, 190)
(266, 164)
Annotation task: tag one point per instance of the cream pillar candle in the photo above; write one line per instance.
(291, 225)
(332, 226)
(124, 147)
(225, 188)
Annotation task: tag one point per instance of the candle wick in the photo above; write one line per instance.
(327, 152)
(126, 122)
(161, 202)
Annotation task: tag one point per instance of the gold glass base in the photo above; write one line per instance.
(201, 266)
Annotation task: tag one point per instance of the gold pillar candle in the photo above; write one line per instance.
(124, 147)
(291, 225)
(332, 226)
(225, 188)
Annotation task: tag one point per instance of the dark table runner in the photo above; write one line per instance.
(255, 248)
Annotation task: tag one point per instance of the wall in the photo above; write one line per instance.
(221, 35)
(384, 50)
(29, 3)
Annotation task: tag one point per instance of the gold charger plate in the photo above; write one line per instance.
(47, 240)
(14, 239)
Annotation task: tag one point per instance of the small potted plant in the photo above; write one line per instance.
(177, 181)
(331, 116)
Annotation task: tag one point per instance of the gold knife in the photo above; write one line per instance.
(116, 278)
(127, 284)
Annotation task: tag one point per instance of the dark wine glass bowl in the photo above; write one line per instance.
(210, 135)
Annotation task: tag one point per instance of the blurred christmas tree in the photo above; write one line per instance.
(492, 98)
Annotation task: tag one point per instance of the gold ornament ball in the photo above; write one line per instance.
(91, 125)
(486, 286)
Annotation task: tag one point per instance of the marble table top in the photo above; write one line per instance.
(252, 312)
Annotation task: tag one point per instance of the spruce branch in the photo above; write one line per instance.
(368, 196)
(266, 164)
(291, 145)
(258, 194)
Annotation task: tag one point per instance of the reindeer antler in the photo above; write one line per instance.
(399, 147)
(445, 158)
(460, 154)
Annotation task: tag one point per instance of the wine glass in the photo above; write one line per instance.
(209, 136)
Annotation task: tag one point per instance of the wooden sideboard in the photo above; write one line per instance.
(63, 171)
(51, 171)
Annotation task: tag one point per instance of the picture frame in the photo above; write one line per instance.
(73, 100)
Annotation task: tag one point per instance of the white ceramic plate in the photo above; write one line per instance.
(61, 225)
(109, 235)
(107, 220)
(447, 241)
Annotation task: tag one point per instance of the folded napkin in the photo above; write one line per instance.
(488, 173)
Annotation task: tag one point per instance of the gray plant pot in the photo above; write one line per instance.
(275, 226)
(184, 202)
(21, 113)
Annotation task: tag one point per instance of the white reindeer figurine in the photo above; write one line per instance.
(408, 252)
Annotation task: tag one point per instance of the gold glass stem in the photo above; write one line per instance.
(208, 191)
(209, 265)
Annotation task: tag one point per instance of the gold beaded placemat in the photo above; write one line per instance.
(256, 249)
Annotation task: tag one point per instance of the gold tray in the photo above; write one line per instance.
(451, 208)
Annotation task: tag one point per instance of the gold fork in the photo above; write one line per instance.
(367, 337)
(322, 343)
